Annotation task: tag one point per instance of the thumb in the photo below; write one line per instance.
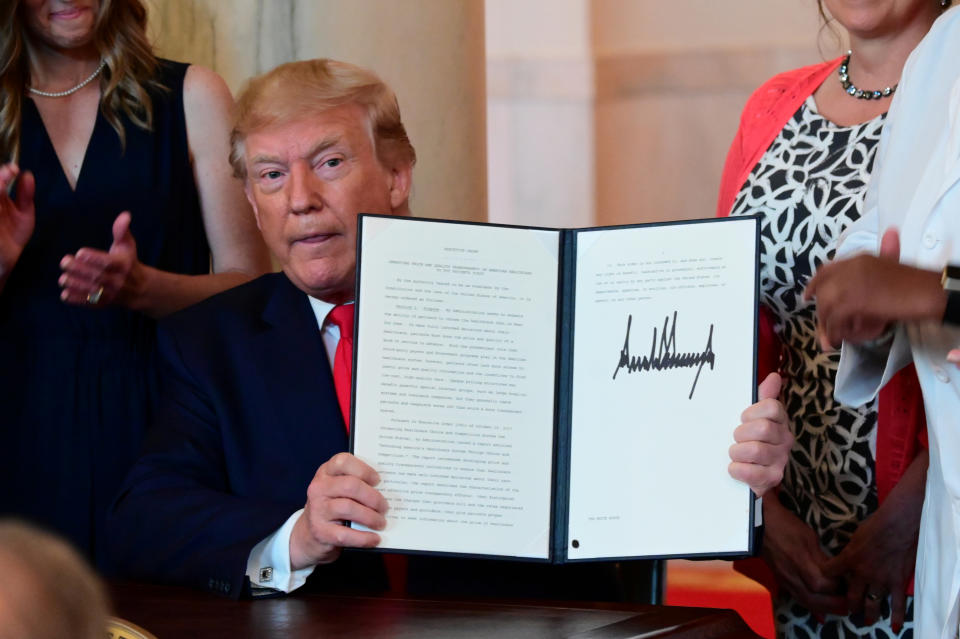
(121, 232)
(835, 566)
(769, 387)
(890, 245)
(26, 187)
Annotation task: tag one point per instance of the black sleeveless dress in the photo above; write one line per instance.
(76, 383)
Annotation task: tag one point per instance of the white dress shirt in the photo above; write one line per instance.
(268, 565)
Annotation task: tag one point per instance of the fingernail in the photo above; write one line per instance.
(62, 281)
(954, 356)
(65, 262)
(63, 295)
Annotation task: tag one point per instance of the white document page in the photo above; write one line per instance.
(454, 383)
(663, 366)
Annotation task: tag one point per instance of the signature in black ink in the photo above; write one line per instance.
(667, 355)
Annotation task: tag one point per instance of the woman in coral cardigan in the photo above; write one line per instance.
(841, 539)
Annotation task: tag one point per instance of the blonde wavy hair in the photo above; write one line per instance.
(300, 89)
(121, 39)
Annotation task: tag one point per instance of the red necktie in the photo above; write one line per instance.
(342, 317)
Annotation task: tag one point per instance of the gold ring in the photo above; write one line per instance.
(93, 298)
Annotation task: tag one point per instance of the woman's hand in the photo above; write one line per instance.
(97, 278)
(881, 555)
(238, 252)
(17, 218)
(792, 551)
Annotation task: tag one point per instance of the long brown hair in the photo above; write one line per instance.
(120, 37)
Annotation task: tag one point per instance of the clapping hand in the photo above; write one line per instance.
(17, 217)
(97, 278)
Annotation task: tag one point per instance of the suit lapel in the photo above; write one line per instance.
(297, 377)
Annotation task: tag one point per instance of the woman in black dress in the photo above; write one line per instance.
(110, 144)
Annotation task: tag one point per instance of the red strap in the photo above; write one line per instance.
(342, 317)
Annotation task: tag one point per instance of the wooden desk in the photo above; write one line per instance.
(170, 612)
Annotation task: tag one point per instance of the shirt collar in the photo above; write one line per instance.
(321, 309)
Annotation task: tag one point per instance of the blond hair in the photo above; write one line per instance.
(299, 89)
(46, 590)
(119, 36)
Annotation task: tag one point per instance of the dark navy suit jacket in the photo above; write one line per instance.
(247, 414)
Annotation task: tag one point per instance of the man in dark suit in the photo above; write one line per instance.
(245, 485)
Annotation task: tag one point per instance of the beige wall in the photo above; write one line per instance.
(430, 51)
(671, 80)
(628, 116)
(656, 25)
(540, 112)
(576, 112)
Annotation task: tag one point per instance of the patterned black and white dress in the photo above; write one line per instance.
(808, 187)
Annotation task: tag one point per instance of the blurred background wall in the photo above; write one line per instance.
(619, 111)
(430, 51)
(542, 112)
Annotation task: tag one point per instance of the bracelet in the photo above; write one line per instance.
(951, 313)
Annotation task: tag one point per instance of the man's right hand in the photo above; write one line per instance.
(342, 490)
(17, 218)
(791, 550)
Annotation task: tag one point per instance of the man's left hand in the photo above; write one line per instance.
(763, 440)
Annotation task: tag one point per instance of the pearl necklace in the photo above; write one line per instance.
(61, 94)
(853, 91)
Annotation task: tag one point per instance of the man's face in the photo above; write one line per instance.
(307, 180)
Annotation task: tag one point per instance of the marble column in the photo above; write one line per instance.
(622, 111)
(540, 108)
(430, 51)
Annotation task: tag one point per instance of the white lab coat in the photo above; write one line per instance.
(916, 188)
